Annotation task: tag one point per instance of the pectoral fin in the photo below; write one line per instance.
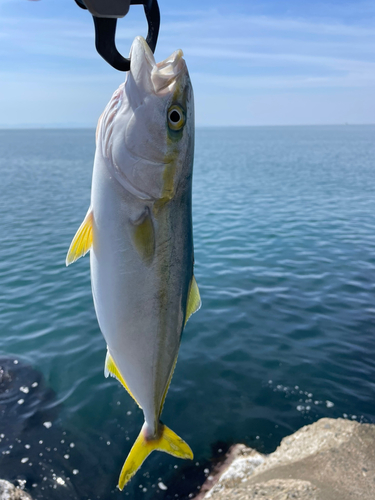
(167, 441)
(82, 241)
(110, 368)
(144, 236)
(194, 299)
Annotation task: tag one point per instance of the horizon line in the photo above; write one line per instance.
(93, 127)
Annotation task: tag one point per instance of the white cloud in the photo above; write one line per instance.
(252, 83)
(209, 21)
(231, 58)
(266, 59)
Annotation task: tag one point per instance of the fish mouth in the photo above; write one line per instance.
(152, 76)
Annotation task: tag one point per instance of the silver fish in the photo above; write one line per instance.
(139, 231)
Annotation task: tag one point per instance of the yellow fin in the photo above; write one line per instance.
(82, 241)
(167, 387)
(168, 442)
(194, 299)
(110, 368)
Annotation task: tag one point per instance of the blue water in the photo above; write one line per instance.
(284, 231)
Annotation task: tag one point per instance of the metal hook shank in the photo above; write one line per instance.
(105, 31)
(105, 8)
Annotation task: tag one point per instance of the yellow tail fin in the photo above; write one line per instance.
(168, 442)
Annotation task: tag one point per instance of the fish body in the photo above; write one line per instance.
(139, 233)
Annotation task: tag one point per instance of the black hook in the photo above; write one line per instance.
(105, 31)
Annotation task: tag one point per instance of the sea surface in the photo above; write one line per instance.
(284, 233)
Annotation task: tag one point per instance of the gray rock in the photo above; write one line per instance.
(246, 460)
(9, 492)
(328, 460)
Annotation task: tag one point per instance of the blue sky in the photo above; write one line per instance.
(252, 62)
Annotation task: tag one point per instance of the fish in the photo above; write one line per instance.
(139, 232)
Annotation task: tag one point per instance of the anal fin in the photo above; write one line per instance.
(110, 369)
(82, 241)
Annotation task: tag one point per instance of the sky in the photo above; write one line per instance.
(252, 62)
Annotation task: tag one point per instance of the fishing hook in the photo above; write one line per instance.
(105, 22)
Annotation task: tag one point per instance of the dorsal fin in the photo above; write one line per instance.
(111, 369)
(194, 299)
(82, 241)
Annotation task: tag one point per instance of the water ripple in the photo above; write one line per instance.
(285, 260)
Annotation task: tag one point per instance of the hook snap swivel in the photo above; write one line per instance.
(105, 22)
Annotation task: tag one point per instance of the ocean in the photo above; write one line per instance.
(284, 236)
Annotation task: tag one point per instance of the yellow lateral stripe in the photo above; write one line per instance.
(166, 389)
(110, 365)
(194, 300)
(193, 304)
(168, 442)
(82, 241)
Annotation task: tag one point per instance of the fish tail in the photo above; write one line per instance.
(166, 441)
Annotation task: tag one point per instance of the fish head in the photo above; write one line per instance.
(151, 124)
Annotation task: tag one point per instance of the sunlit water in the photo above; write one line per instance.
(284, 231)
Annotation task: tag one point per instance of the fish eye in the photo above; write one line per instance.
(176, 117)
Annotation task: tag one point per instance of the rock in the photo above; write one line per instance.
(241, 469)
(9, 492)
(245, 458)
(328, 460)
